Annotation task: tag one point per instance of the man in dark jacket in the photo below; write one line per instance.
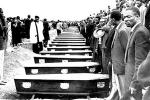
(27, 26)
(137, 47)
(46, 29)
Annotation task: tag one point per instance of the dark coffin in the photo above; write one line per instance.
(61, 58)
(71, 35)
(61, 68)
(64, 48)
(63, 84)
(69, 38)
(67, 44)
(68, 52)
(68, 41)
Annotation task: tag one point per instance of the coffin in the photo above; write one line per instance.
(68, 52)
(63, 84)
(69, 37)
(67, 44)
(68, 41)
(61, 68)
(61, 58)
(64, 48)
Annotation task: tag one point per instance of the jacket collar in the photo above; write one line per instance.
(135, 26)
(119, 25)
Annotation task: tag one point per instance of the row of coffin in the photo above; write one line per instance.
(65, 68)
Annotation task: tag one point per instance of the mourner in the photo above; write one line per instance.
(36, 34)
(46, 29)
(137, 48)
(118, 41)
(118, 48)
(27, 26)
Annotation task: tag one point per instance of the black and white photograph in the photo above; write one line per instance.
(74, 50)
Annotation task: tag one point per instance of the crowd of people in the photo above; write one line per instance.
(15, 31)
(20, 29)
(120, 40)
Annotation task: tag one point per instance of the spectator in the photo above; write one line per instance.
(137, 47)
(3, 38)
(36, 34)
(46, 29)
(27, 26)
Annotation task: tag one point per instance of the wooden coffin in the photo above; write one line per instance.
(68, 52)
(64, 48)
(68, 41)
(61, 58)
(63, 84)
(61, 68)
(67, 44)
(69, 38)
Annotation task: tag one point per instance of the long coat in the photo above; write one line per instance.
(137, 49)
(33, 32)
(118, 48)
(46, 30)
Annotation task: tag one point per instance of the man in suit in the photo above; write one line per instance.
(118, 48)
(137, 47)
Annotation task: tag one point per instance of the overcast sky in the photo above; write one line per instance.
(54, 9)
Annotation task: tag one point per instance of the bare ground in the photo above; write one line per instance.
(13, 65)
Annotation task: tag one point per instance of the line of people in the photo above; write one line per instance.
(20, 30)
(120, 41)
(35, 31)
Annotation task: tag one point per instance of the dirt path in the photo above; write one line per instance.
(13, 66)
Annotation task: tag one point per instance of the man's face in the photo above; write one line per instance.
(96, 20)
(129, 18)
(37, 19)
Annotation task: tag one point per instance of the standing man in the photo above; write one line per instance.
(3, 39)
(27, 26)
(46, 29)
(118, 48)
(59, 27)
(137, 47)
(36, 35)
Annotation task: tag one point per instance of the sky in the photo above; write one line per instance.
(54, 9)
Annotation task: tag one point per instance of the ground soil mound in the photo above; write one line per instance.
(13, 65)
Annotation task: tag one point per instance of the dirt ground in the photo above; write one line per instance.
(13, 65)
